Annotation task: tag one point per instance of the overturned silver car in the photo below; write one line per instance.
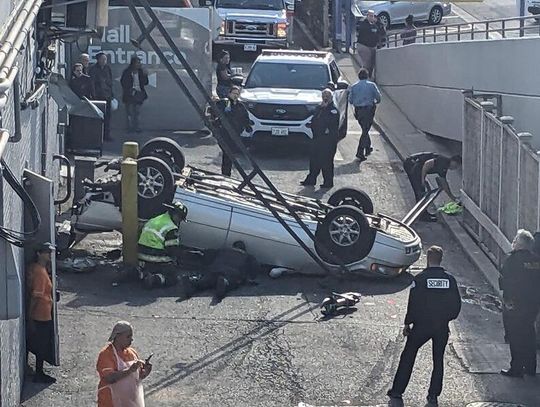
(221, 212)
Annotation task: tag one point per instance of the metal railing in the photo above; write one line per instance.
(474, 30)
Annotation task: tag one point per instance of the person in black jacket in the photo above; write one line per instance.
(238, 118)
(226, 269)
(324, 126)
(370, 35)
(434, 301)
(101, 75)
(133, 82)
(80, 83)
(520, 281)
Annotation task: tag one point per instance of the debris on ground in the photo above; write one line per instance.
(77, 264)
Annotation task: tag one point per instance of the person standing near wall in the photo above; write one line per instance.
(40, 327)
(133, 82)
(519, 282)
(101, 75)
(81, 84)
(364, 97)
(85, 61)
(368, 38)
(408, 35)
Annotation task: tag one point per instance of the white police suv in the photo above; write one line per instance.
(284, 88)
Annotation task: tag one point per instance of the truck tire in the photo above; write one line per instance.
(346, 233)
(167, 150)
(353, 197)
(155, 186)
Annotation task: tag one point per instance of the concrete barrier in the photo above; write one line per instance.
(425, 81)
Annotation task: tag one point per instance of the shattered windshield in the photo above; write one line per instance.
(251, 4)
(288, 76)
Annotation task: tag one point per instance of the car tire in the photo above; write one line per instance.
(343, 128)
(155, 186)
(167, 150)
(348, 246)
(352, 197)
(435, 15)
(384, 19)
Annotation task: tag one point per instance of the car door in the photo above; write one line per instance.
(40, 190)
(399, 10)
(340, 95)
(420, 10)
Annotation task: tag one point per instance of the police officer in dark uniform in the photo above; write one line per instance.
(520, 282)
(238, 118)
(324, 126)
(418, 166)
(226, 269)
(434, 301)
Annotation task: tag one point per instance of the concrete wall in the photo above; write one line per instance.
(425, 81)
(27, 153)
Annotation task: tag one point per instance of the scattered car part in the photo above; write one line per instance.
(331, 304)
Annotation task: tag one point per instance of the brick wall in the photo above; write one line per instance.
(314, 14)
(27, 153)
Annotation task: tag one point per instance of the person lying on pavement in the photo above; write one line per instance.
(225, 269)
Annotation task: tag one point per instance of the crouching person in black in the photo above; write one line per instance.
(226, 269)
(434, 301)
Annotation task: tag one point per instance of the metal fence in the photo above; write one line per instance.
(474, 30)
(501, 176)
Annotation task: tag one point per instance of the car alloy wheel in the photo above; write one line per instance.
(384, 19)
(344, 231)
(435, 15)
(151, 182)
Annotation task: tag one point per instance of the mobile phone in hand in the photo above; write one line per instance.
(147, 360)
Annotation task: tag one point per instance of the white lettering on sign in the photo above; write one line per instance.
(438, 283)
(122, 35)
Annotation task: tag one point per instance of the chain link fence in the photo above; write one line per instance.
(501, 176)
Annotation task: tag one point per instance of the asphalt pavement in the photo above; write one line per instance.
(266, 345)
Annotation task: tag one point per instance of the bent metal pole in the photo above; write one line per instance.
(147, 33)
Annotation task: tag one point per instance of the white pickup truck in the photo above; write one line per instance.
(254, 24)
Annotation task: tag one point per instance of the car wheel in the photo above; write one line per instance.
(352, 197)
(343, 127)
(435, 15)
(155, 186)
(384, 19)
(167, 150)
(346, 233)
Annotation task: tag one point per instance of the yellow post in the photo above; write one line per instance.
(130, 218)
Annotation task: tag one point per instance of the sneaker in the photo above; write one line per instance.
(432, 401)
(361, 157)
(44, 378)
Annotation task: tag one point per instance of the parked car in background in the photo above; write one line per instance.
(395, 12)
(533, 7)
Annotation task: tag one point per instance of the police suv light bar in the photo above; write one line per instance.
(288, 53)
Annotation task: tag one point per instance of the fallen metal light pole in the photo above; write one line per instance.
(146, 32)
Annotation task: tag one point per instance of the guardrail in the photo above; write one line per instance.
(501, 176)
(474, 30)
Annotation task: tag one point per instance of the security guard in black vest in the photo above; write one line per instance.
(325, 129)
(520, 282)
(434, 301)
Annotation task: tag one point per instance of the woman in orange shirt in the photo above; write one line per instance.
(40, 328)
(120, 370)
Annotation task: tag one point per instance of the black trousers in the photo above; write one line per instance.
(321, 159)
(416, 339)
(226, 164)
(413, 169)
(365, 116)
(521, 335)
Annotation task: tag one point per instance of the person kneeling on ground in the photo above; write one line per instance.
(159, 246)
(226, 269)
